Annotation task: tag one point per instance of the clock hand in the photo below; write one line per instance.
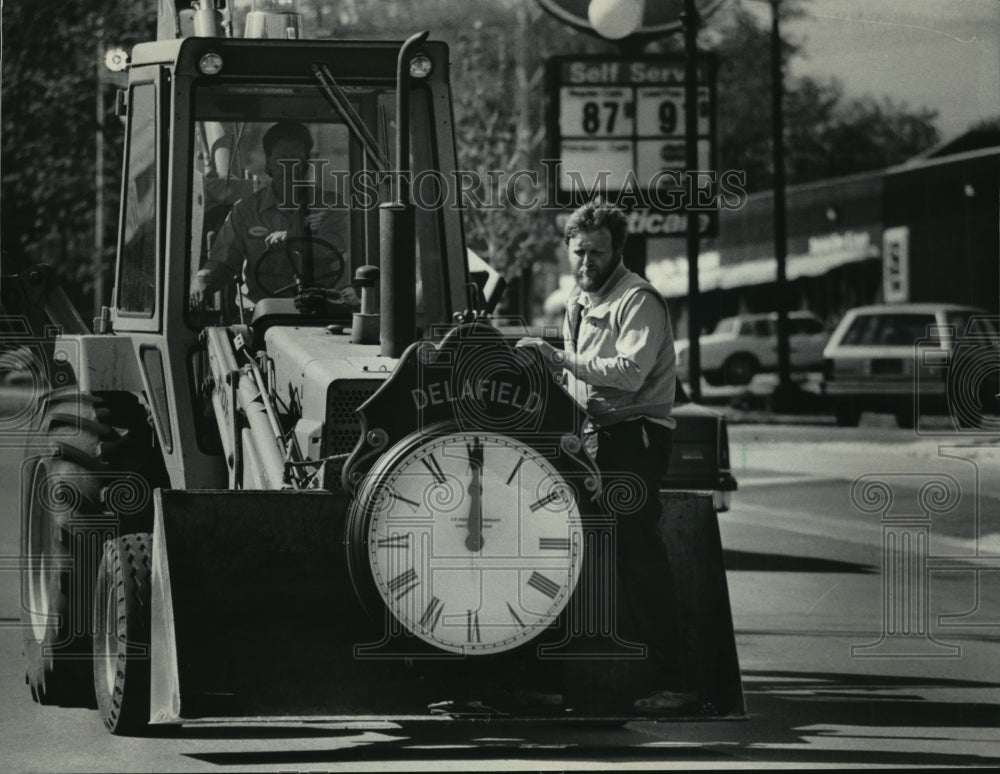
(474, 540)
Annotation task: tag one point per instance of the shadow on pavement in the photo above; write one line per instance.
(751, 560)
(260, 731)
(796, 718)
(485, 744)
(793, 712)
(820, 679)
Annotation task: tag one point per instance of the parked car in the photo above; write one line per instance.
(699, 452)
(747, 344)
(908, 359)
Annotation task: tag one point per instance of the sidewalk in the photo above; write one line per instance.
(754, 404)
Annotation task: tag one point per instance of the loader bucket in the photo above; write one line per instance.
(690, 529)
(255, 614)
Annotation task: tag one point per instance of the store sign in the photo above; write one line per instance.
(896, 264)
(843, 242)
(617, 128)
(655, 224)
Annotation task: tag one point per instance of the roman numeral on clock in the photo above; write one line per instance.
(394, 541)
(430, 461)
(397, 496)
(404, 583)
(553, 544)
(544, 584)
(520, 461)
(432, 614)
(472, 626)
(475, 450)
(551, 497)
(517, 619)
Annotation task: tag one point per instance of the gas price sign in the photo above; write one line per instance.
(618, 125)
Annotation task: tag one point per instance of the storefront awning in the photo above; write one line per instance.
(670, 275)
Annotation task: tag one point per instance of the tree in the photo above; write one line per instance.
(872, 133)
(50, 54)
(499, 93)
(826, 133)
(743, 92)
(500, 131)
(498, 50)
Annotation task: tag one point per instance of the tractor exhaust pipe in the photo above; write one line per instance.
(397, 226)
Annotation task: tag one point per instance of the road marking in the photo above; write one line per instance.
(745, 482)
(822, 596)
(857, 530)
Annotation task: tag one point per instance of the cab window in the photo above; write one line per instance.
(136, 288)
(261, 224)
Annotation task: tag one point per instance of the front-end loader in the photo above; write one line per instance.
(248, 509)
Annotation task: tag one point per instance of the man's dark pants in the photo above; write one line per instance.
(633, 456)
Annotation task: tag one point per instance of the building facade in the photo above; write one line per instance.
(926, 230)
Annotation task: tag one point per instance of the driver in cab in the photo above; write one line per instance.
(272, 219)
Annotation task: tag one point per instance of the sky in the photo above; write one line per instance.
(942, 54)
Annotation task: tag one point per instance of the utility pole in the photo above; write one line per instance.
(98, 259)
(523, 141)
(690, 20)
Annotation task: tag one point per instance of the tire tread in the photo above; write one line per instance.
(127, 564)
(86, 434)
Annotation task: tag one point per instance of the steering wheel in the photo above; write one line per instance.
(296, 263)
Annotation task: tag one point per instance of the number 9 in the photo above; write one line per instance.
(668, 117)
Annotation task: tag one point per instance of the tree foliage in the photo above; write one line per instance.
(498, 53)
(827, 133)
(51, 50)
(500, 123)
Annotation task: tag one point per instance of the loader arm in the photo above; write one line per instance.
(259, 453)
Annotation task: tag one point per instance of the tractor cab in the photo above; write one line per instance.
(280, 214)
(199, 114)
(310, 182)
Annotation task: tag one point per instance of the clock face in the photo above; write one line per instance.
(474, 540)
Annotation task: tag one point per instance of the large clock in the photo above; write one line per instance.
(473, 540)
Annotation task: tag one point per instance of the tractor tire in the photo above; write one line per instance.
(94, 477)
(122, 598)
(846, 413)
(739, 370)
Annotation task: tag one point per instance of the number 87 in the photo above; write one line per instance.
(592, 117)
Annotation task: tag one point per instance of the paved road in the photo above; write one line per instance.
(806, 574)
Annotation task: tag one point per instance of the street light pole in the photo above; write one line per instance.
(690, 20)
(780, 226)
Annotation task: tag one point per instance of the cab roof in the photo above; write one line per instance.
(352, 59)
